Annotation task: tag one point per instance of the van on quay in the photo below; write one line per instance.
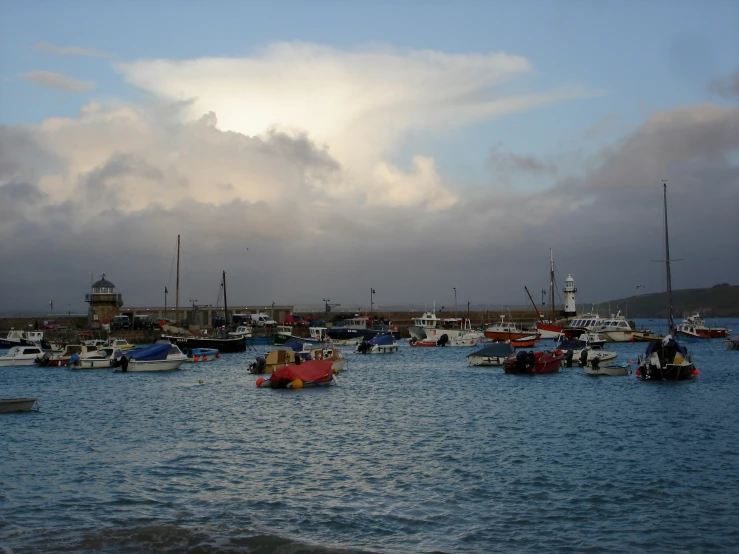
(262, 320)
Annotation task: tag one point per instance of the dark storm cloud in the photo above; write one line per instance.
(605, 228)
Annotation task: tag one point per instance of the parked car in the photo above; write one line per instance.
(120, 322)
(295, 320)
(51, 324)
(143, 322)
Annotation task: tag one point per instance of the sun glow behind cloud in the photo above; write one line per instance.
(358, 104)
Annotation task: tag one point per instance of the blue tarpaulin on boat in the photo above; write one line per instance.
(294, 345)
(150, 353)
(494, 350)
(382, 340)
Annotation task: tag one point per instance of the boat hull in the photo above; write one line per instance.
(138, 366)
(618, 336)
(614, 370)
(11, 405)
(671, 372)
(224, 346)
(13, 362)
(545, 362)
(548, 330)
(504, 335)
(92, 363)
(489, 361)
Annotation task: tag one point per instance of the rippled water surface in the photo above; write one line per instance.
(412, 452)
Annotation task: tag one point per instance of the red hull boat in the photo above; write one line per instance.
(525, 342)
(307, 374)
(534, 363)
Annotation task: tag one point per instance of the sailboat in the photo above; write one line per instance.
(666, 360)
(548, 329)
(224, 344)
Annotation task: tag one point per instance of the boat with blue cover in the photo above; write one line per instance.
(157, 357)
(380, 344)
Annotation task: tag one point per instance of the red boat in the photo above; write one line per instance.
(533, 363)
(525, 342)
(313, 373)
(504, 330)
(694, 326)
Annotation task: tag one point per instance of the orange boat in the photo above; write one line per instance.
(505, 330)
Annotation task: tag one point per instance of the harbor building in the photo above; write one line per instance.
(104, 302)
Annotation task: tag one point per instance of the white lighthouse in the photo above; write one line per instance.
(570, 291)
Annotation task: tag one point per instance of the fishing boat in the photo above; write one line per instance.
(471, 339)
(695, 327)
(616, 328)
(313, 373)
(21, 338)
(581, 352)
(157, 357)
(241, 332)
(10, 405)
(534, 363)
(492, 354)
(380, 344)
(354, 330)
(21, 356)
(224, 345)
(666, 360)
(504, 330)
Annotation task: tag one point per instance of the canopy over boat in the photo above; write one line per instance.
(294, 345)
(382, 340)
(150, 353)
(665, 345)
(494, 350)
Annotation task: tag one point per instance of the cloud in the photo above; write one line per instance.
(360, 104)
(511, 162)
(727, 87)
(70, 50)
(58, 81)
(111, 189)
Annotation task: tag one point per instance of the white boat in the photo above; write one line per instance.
(616, 329)
(611, 370)
(420, 324)
(241, 332)
(21, 355)
(10, 405)
(581, 353)
(99, 360)
(428, 326)
(20, 338)
(492, 354)
(505, 330)
(161, 356)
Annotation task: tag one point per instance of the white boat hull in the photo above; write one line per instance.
(486, 360)
(618, 336)
(135, 366)
(12, 362)
(608, 371)
(92, 363)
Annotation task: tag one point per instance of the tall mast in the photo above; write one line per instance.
(551, 284)
(670, 320)
(177, 290)
(225, 301)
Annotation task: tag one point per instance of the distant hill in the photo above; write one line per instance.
(718, 301)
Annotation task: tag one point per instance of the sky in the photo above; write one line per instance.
(319, 149)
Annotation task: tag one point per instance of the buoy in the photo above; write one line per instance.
(695, 371)
(260, 381)
(196, 358)
(638, 372)
(631, 361)
(201, 381)
(297, 384)
(218, 354)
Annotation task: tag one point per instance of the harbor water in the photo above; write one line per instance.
(411, 452)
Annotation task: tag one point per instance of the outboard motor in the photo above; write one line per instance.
(259, 365)
(363, 347)
(595, 362)
(124, 363)
(584, 357)
(443, 339)
(521, 361)
(568, 358)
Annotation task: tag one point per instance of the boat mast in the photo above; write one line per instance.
(551, 284)
(670, 320)
(225, 301)
(177, 290)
